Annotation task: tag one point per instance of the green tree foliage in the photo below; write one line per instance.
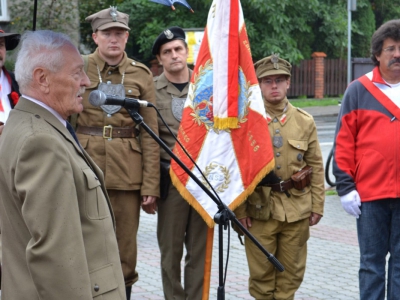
(385, 10)
(51, 14)
(276, 26)
(362, 29)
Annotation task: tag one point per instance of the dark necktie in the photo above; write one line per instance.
(72, 132)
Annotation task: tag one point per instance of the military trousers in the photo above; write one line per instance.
(126, 208)
(288, 243)
(180, 225)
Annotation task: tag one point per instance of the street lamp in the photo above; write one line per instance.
(351, 6)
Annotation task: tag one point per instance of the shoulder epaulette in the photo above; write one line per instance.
(304, 112)
(134, 63)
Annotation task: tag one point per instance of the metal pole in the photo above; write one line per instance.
(34, 15)
(349, 42)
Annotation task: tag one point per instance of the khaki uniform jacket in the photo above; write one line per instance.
(127, 163)
(56, 219)
(165, 91)
(300, 147)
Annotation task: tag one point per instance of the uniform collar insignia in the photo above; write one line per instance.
(168, 34)
(113, 13)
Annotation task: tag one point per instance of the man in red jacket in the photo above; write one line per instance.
(367, 163)
(9, 92)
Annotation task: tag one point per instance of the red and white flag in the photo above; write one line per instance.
(224, 126)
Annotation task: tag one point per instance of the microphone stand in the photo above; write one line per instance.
(224, 214)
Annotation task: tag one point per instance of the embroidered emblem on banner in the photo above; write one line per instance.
(201, 97)
(114, 90)
(218, 176)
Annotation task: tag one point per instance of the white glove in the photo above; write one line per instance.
(351, 203)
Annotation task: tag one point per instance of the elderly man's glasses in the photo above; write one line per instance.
(391, 49)
(269, 81)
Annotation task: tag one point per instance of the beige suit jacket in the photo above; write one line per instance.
(57, 224)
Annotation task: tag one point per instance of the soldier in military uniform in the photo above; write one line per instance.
(129, 159)
(178, 223)
(279, 215)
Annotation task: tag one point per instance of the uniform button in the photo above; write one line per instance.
(96, 287)
(278, 154)
(278, 167)
(108, 82)
(275, 120)
(109, 72)
(298, 146)
(129, 91)
(108, 115)
(277, 131)
(37, 116)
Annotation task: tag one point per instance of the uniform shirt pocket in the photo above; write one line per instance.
(296, 153)
(96, 203)
(132, 91)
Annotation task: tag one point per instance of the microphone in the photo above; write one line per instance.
(98, 98)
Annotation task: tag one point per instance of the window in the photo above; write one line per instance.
(4, 11)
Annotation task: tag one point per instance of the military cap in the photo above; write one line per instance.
(272, 65)
(11, 39)
(168, 35)
(108, 18)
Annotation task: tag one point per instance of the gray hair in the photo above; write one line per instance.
(39, 49)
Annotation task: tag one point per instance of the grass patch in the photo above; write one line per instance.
(331, 193)
(314, 102)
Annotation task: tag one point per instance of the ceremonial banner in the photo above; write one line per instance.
(223, 125)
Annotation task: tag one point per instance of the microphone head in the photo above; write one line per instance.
(97, 98)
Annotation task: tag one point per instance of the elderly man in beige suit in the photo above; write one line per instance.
(56, 220)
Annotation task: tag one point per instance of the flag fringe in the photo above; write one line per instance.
(208, 264)
(225, 123)
(250, 189)
(233, 205)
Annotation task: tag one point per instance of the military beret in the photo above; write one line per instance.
(168, 35)
(272, 65)
(11, 39)
(108, 18)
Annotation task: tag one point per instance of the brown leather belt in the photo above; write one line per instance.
(281, 186)
(109, 132)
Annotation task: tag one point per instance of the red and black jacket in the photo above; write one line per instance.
(367, 143)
